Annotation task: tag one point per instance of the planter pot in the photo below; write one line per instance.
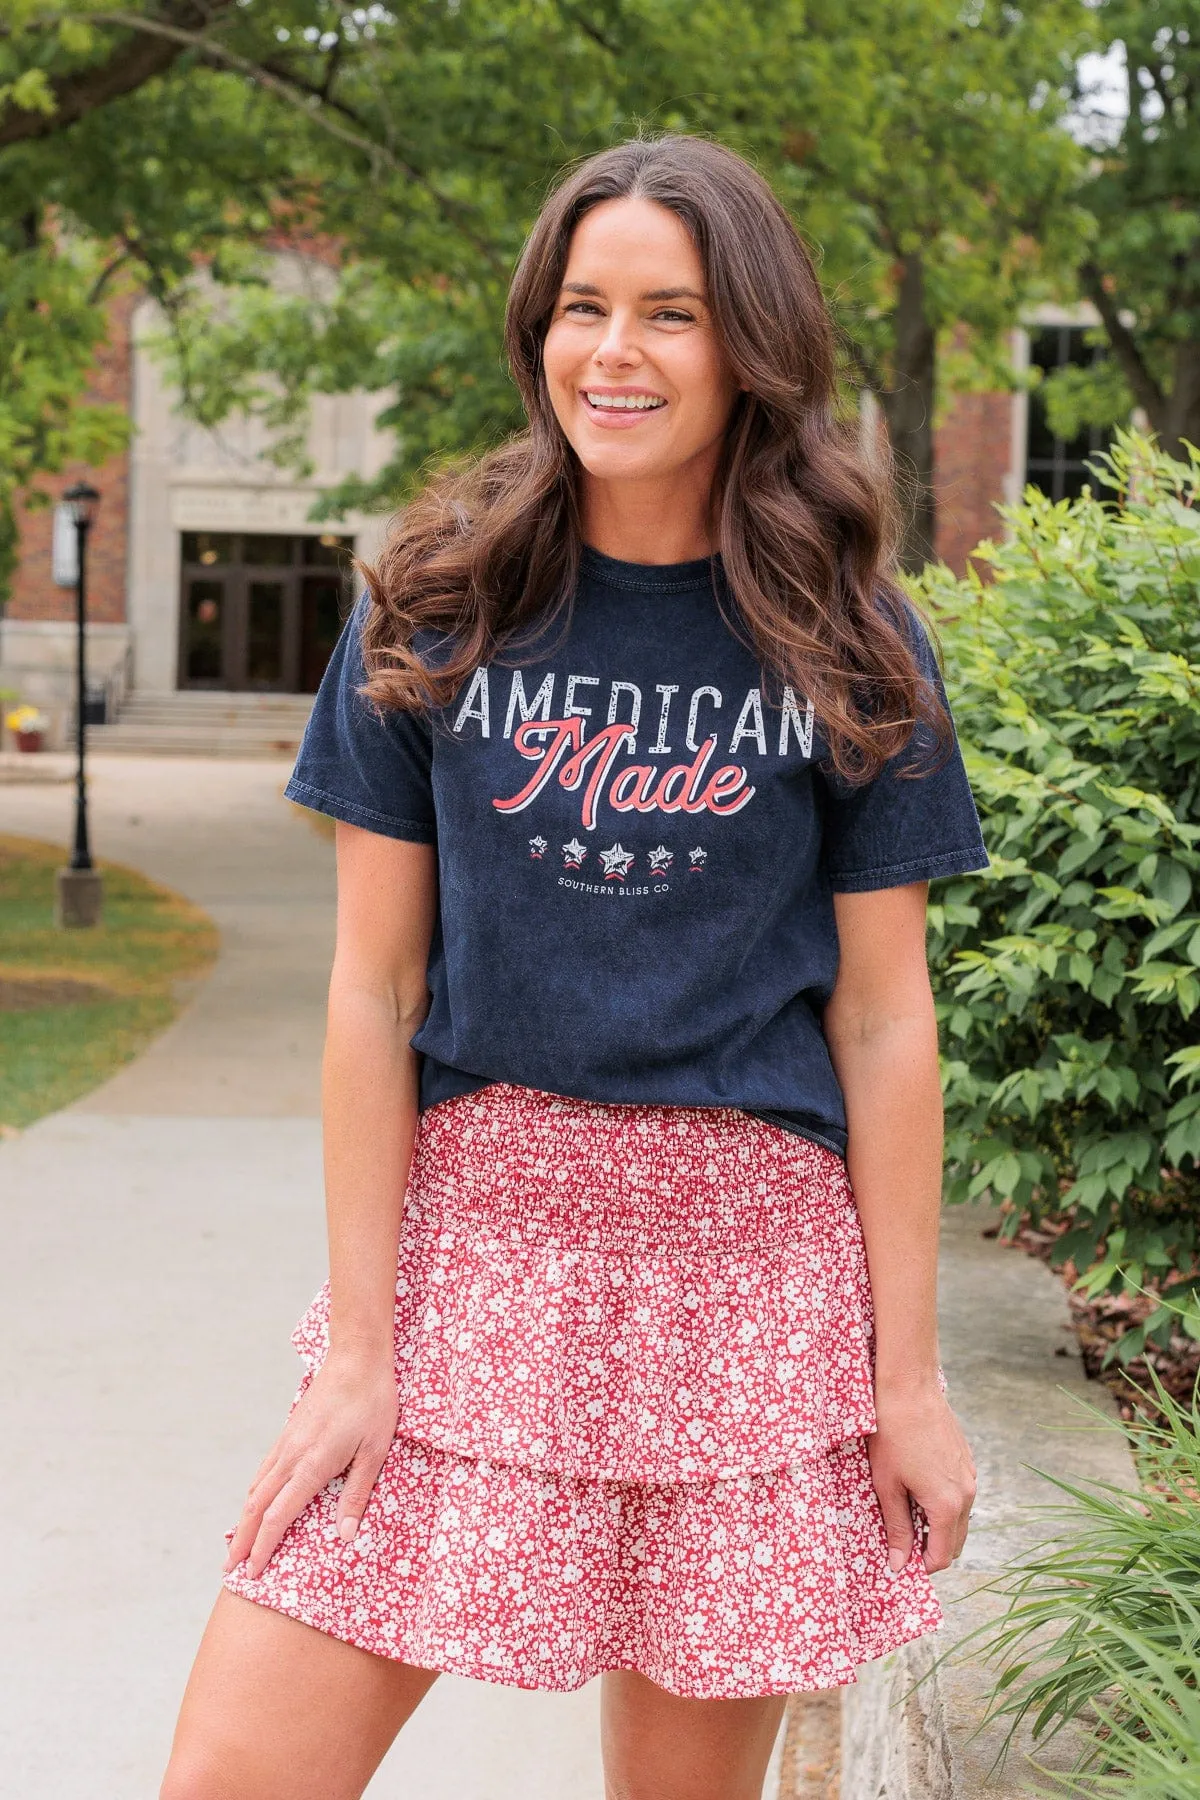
(29, 740)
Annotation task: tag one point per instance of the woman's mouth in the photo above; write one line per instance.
(619, 409)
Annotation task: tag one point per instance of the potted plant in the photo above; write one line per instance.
(28, 726)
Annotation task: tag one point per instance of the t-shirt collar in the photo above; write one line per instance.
(650, 578)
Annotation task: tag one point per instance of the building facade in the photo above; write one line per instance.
(205, 570)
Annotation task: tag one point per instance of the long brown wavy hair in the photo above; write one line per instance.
(806, 525)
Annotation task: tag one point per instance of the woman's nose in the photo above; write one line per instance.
(618, 343)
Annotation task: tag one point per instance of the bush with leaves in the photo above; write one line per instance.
(1068, 976)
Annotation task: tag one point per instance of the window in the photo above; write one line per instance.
(1056, 466)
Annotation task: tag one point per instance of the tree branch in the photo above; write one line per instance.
(307, 100)
(332, 63)
(1125, 348)
(107, 272)
(589, 30)
(129, 67)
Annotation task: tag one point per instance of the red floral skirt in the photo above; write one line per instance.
(634, 1359)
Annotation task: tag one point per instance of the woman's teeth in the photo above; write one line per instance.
(625, 402)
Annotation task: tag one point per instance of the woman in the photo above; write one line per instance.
(641, 766)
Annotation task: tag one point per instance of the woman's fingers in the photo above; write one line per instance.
(342, 1421)
(361, 1477)
(945, 1536)
(897, 1522)
(919, 1455)
(262, 1491)
(949, 1514)
(286, 1506)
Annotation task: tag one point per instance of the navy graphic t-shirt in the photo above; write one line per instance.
(638, 849)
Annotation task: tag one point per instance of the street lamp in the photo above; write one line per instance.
(79, 890)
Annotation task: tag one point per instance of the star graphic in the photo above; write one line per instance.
(574, 852)
(616, 862)
(537, 846)
(660, 859)
(698, 857)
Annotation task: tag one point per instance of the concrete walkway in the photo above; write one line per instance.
(162, 1237)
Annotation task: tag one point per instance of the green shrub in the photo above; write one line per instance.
(1152, 1748)
(1068, 977)
(1103, 1621)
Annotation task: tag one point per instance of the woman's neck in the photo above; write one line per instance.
(660, 523)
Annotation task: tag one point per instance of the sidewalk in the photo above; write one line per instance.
(163, 1236)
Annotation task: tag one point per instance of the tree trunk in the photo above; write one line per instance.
(908, 409)
(1177, 417)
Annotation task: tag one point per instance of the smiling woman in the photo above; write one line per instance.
(627, 1363)
(666, 271)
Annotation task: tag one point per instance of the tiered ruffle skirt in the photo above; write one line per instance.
(634, 1358)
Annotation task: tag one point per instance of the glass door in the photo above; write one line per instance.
(207, 623)
(265, 631)
(260, 611)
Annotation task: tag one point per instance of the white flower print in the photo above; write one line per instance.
(632, 1432)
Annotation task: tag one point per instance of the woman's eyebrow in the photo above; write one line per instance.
(674, 293)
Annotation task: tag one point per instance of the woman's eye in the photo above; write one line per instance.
(673, 316)
(577, 305)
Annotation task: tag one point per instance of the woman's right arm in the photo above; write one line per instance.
(346, 1419)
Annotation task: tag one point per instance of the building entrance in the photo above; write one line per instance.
(261, 611)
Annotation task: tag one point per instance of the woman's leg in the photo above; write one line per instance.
(275, 1710)
(659, 1747)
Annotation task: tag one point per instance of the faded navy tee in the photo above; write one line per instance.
(638, 847)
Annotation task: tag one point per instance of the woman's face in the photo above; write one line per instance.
(633, 368)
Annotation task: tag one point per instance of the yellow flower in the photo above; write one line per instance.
(24, 718)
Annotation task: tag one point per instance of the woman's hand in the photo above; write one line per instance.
(344, 1420)
(918, 1449)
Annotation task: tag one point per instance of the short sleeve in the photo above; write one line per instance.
(356, 764)
(902, 828)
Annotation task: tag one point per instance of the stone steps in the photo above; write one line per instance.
(199, 723)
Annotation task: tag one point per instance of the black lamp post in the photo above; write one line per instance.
(79, 891)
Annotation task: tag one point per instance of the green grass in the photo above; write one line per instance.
(151, 944)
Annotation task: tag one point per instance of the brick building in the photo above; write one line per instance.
(206, 573)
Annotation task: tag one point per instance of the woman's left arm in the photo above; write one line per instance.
(882, 1036)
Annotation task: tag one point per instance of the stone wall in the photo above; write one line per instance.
(908, 1728)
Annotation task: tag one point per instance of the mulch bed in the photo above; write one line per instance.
(1101, 1322)
(27, 993)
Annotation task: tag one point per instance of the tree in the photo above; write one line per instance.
(920, 145)
(1141, 270)
(916, 141)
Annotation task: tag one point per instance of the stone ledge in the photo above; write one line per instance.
(1017, 1383)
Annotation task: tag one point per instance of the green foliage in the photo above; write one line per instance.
(1103, 1621)
(1080, 395)
(888, 132)
(1068, 977)
(1142, 191)
(420, 140)
(1153, 1734)
(50, 330)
